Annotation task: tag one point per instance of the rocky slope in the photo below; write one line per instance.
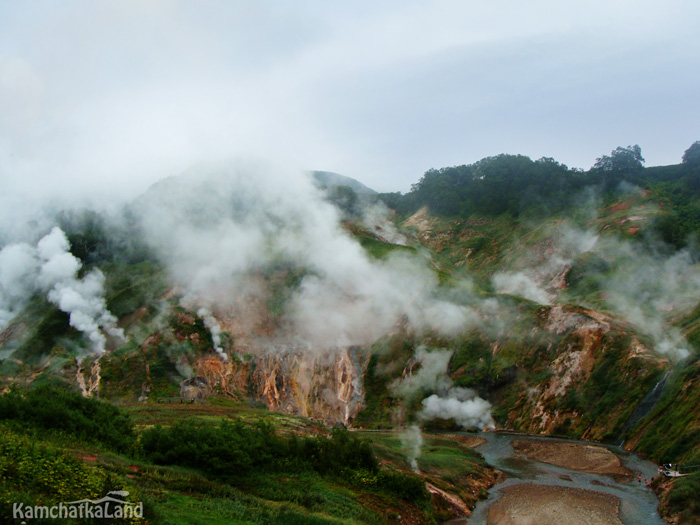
(562, 324)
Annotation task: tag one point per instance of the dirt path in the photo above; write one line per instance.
(574, 456)
(529, 504)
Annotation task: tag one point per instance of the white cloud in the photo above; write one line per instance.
(110, 96)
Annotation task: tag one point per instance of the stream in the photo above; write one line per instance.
(638, 504)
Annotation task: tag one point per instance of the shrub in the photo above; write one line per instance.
(44, 475)
(233, 450)
(58, 409)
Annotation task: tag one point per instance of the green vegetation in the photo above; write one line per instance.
(235, 450)
(44, 473)
(130, 287)
(56, 409)
(683, 501)
(56, 446)
(493, 186)
(48, 326)
(672, 430)
(445, 461)
(517, 187)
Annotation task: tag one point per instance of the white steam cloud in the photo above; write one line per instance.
(214, 329)
(430, 376)
(411, 442)
(522, 285)
(51, 268)
(649, 289)
(19, 267)
(543, 269)
(642, 283)
(218, 228)
(375, 217)
(462, 404)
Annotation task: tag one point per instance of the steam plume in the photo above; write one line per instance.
(18, 269)
(430, 376)
(411, 442)
(648, 288)
(52, 269)
(522, 285)
(214, 328)
(218, 227)
(462, 404)
(543, 269)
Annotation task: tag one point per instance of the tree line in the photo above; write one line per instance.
(516, 185)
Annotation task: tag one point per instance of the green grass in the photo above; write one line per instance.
(683, 499)
(380, 249)
(43, 461)
(39, 471)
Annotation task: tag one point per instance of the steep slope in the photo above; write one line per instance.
(553, 323)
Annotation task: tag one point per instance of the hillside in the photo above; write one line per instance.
(509, 293)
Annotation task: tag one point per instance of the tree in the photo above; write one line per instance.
(345, 198)
(691, 157)
(621, 159)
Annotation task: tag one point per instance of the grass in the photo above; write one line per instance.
(683, 500)
(671, 433)
(440, 456)
(41, 465)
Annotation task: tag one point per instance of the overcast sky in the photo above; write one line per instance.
(114, 95)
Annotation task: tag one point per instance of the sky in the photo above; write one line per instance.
(106, 97)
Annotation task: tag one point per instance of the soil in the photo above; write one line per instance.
(466, 439)
(574, 456)
(529, 504)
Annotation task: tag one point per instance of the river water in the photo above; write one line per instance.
(638, 503)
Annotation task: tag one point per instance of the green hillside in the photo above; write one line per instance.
(566, 301)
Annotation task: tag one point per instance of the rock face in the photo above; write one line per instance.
(196, 388)
(322, 385)
(88, 379)
(326, 386)
(591, 345)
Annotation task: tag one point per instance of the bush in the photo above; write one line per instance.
(404, 486)
(683, 499)
(233, 450)
(58, 409)
(42, 474)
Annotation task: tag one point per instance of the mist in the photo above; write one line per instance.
(411, 442)
(50, 269)
(461, 404)
(223, 230)
(645, 282)
(650, 288)
(428, 372)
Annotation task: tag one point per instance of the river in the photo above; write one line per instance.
(638, 503)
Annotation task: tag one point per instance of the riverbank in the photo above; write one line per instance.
(569, 481)
(468, 440)
(530, 504)
(581, 457)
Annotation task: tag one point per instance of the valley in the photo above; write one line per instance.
(311, 320)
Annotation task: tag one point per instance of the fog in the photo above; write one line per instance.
(105, 98)
(220, 225)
